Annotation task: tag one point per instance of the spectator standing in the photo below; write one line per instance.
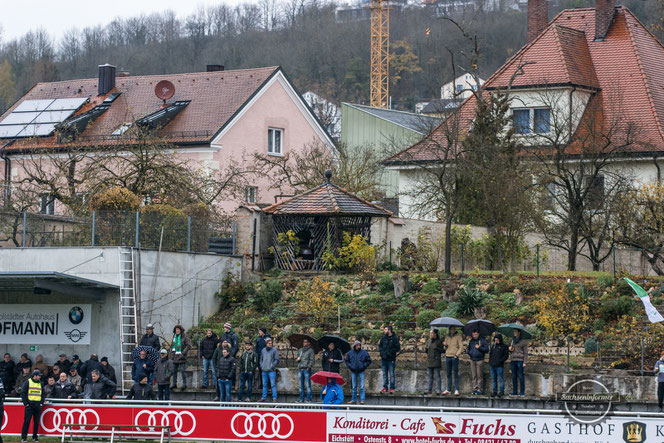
(64, 388)
(92, 364)
(76, 379)
(49, 386)
(23, 362)
(149, 338)
(389, 347)
(332, 393)
(32, 396)
(76, 363)
(99, 386)
(2, 405)
(141, 390)
(305, 362)
(434, 350)
(180, 347)
(142, 366)
(659, 370)
(109, 371)
(249, 362)
(163, 371)
(268, 365)
(477, 349)
(498, 355)
(357, 360)
(225, 364)
(63, 363)
(231, 337)
(260, 345)
(518, 355)
(20, 380)
(206, 350)
(39, 365)
(7, 371)
(453, 348)
(331, 358)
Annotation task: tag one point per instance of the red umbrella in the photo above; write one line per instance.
(321, 377)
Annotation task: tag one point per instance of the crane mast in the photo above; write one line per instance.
(380, 54)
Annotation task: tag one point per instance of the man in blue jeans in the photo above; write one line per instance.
(305, 362)
(498, 355)
(518, 354)
(357, 360)
(225, 372)
(248, 366)
(269, 362)
(389, 347)
(206, 350)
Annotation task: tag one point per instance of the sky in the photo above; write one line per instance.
(57, 16)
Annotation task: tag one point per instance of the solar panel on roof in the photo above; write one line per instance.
(38, 118)
(33, 105)
(10, 130)
(61, 104)
(20, 118)
(53, 116)
(40, 130)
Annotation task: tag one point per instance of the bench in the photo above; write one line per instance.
(114, 432)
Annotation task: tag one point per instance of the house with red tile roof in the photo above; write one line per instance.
(212, 118)
(584, 65)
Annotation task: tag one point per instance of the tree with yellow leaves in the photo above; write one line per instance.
(563, 312)
(316, 298)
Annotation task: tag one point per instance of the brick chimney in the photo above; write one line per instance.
(106, 79)
(538, 17)
(604, 12)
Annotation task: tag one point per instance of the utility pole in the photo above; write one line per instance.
(380, 54)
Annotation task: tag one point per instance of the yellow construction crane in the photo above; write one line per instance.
(380, 53)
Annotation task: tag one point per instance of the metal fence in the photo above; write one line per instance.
(168, 232)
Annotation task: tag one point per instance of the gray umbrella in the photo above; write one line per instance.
(446, 322)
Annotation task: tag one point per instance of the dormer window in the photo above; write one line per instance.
(521, 121)
(531, 120)
(542, 120)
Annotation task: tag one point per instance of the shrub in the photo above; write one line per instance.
(469, 299)
(624, 288)
(316, 298)
(431, 287)
(364, 334)
(402, 316)
(385, 284)
(605, 281)
(426, 316)
(342, 282)
(470, 282)
(232, 291)
(266, 294)
(115, 198)
(613, 308)
(440, 305)
(590, 346)
(564, 311)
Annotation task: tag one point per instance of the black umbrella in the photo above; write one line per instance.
(484, 327)
(339, 343)
(445, 322)
(153, 354)
(296, 341)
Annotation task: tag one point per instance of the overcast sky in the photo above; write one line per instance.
(57, 16)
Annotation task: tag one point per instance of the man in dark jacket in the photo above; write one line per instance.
(63, 363)
(23, 362)
(20, 380)
(331, 358)
(260, 345)
(389, 347)
(163, 371)
(248, 366)
(231, 337)
(76, 363)
(64, 388)
(32, 396)
(434, 349)
(357, 360)
(141, 390)
(99, 386)
(477, 349)
(305, 363)
(225, 364)
(180, 347)
(90, 365)
(142, 366)
(149, 338)
(7, 374)
(206, 350)
(498, 355)
(109, 371)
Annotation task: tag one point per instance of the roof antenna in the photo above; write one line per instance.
(328, 175)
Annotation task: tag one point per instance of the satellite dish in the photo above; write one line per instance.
(164, 90)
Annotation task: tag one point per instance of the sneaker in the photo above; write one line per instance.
(299, 401)
(427, 393)
(391, 391)
(204, 386)
(26, 441)
(363, 403)
(500, 394)
(352, 402)
(660, 410)
(445, 392)
(522, 395)
(262, 400)
(35, 439)
(456, 393)
(383, 391)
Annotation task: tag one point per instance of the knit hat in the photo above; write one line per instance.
(104, 359)
(227, 325)
(263, 330)
(163, 351)
(36, 372)
(268, 339)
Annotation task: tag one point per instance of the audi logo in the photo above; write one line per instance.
(256, 425)
(178, 425)
(71, 416)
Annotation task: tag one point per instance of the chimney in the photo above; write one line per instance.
(106, 79)
(604, 12)
(122, 73)
(215, 68)
(538, 17)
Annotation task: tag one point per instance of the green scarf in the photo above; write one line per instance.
(177, 343)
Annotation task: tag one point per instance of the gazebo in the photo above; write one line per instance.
(306, 225)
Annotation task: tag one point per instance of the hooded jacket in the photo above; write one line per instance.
(163, 371)
(306, 354)
(334, 394)
(141, 392)
(64, 390)
(434, 349)
(477, 354)
(389, 347)
(269, 359)
(337, 357)
(499, 353)
(101, 388)
(109, 371)
(185, 346)
(208, 345)
(358, 360)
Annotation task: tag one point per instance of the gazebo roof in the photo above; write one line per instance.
(327, 199)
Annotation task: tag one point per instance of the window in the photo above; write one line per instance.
(459, 87)
(521, 121)
(542, 120)
(274, 140)
(46, 204)
(251, 194)
(595, 195)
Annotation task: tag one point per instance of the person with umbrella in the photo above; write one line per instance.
(389, 347)
(305, 362)
(332, 358)
(142, 366)
(518, 355)
(332, 393)
(357, 360)
(477, 349)
(434, 349)
(453, 348)
(498, 355)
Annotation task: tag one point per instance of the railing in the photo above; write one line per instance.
(115, 431)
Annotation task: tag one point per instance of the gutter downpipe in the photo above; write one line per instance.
(7, 169)
(659, 171)
(571, 117)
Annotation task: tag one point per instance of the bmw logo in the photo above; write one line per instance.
(76, 315)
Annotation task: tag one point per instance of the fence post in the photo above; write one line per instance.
(339, 319)
(568, 354)
(25, 228)
(641, 356)
(599, 353)
(415, 348)
(537, 248)
(233, 253)
(137, 220)
(189, 233)
(94, 220)
(253, 247)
